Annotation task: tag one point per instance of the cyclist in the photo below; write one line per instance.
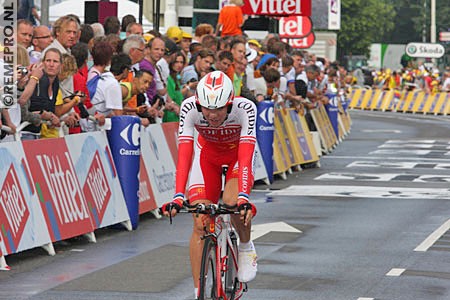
(226, 128)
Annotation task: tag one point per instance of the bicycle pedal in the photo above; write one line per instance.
(245, 287)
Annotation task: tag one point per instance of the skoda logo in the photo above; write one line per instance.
(412, 49)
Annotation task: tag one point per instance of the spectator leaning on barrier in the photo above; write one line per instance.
(42, 38)
(39, 96)
(193, 73)
(107, 94)
(11, 117)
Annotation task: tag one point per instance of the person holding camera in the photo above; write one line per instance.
(39, 95)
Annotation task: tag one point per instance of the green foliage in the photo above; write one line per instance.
(388, 21)
(364, 22)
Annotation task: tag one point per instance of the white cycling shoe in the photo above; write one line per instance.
(247, 265)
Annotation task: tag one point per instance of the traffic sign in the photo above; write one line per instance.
(444, 36)
(425, 50)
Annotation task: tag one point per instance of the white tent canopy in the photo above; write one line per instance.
(124, 7)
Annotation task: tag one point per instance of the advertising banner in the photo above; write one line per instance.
(92, 159)
(304, 137)
(21, 219)
(170, 130)
(124, 140)
(159, 163)
(277, 7)
(283, 135)
(264, 134)
(60, 193)
(147, 200)
(280, 156)
(332, 111)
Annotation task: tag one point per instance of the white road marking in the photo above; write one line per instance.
(396, 158)
(365, 298)
(259, 230)
(398, 165)
(381, 131)
(349, 191)
(358, 176)
(404, 152)
(397, 146)
(411, 141)
(432, 238)
(395, 272)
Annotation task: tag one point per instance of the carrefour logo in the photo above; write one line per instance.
(131, 136)
(266, 116)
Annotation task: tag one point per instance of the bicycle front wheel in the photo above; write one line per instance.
(208, 272)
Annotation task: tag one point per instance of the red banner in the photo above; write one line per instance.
(146, 196)
(14, 211)
(295, 27)
(302, 43)
(277, 7)
(96, 189)
(61, 197)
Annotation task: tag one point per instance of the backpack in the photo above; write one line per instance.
(92, 85)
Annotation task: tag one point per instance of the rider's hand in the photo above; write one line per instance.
(173, 207)
(245, 206)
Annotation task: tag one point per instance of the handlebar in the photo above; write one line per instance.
(210, 209)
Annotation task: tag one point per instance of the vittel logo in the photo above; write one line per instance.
(96, 187)
(14, 211)
(65, 192)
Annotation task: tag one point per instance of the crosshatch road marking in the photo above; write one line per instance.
(432, 238)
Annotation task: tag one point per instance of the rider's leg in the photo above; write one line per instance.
(247, 253)
(196, 243)
(230, 195)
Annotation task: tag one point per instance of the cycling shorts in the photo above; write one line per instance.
(205, 179)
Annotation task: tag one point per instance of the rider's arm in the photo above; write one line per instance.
(246, 150)
(188, 111)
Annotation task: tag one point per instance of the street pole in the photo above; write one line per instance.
(433, 22)
(45, 12)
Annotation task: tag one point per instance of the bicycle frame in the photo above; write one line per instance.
(221, 234)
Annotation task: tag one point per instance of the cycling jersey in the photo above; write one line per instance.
(232, 144)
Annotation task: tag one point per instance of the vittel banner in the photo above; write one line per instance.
(277, 7)
(56, 183)
(97, 175)
(18, 202)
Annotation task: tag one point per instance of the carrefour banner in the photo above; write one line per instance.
(22, 223)
(124, 140)
(332, 111)
(56, 183)
(159, 163)
(94, 166)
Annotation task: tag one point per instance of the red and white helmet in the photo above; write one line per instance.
(215, 90)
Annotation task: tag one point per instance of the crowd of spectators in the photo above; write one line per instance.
(82, 74)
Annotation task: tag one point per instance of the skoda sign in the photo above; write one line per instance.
(425, 50)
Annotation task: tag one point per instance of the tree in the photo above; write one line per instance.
(363, 22)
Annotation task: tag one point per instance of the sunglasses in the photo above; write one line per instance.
(42, 37)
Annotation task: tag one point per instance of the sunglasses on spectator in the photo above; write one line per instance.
(42, 37)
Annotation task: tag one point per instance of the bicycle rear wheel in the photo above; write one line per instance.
(208, 272)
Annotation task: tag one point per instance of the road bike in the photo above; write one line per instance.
(219, 266)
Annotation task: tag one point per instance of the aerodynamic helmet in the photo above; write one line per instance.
(215, 90)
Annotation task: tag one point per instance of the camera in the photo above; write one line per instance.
(23, 70)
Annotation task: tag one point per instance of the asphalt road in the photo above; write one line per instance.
(371, 223)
